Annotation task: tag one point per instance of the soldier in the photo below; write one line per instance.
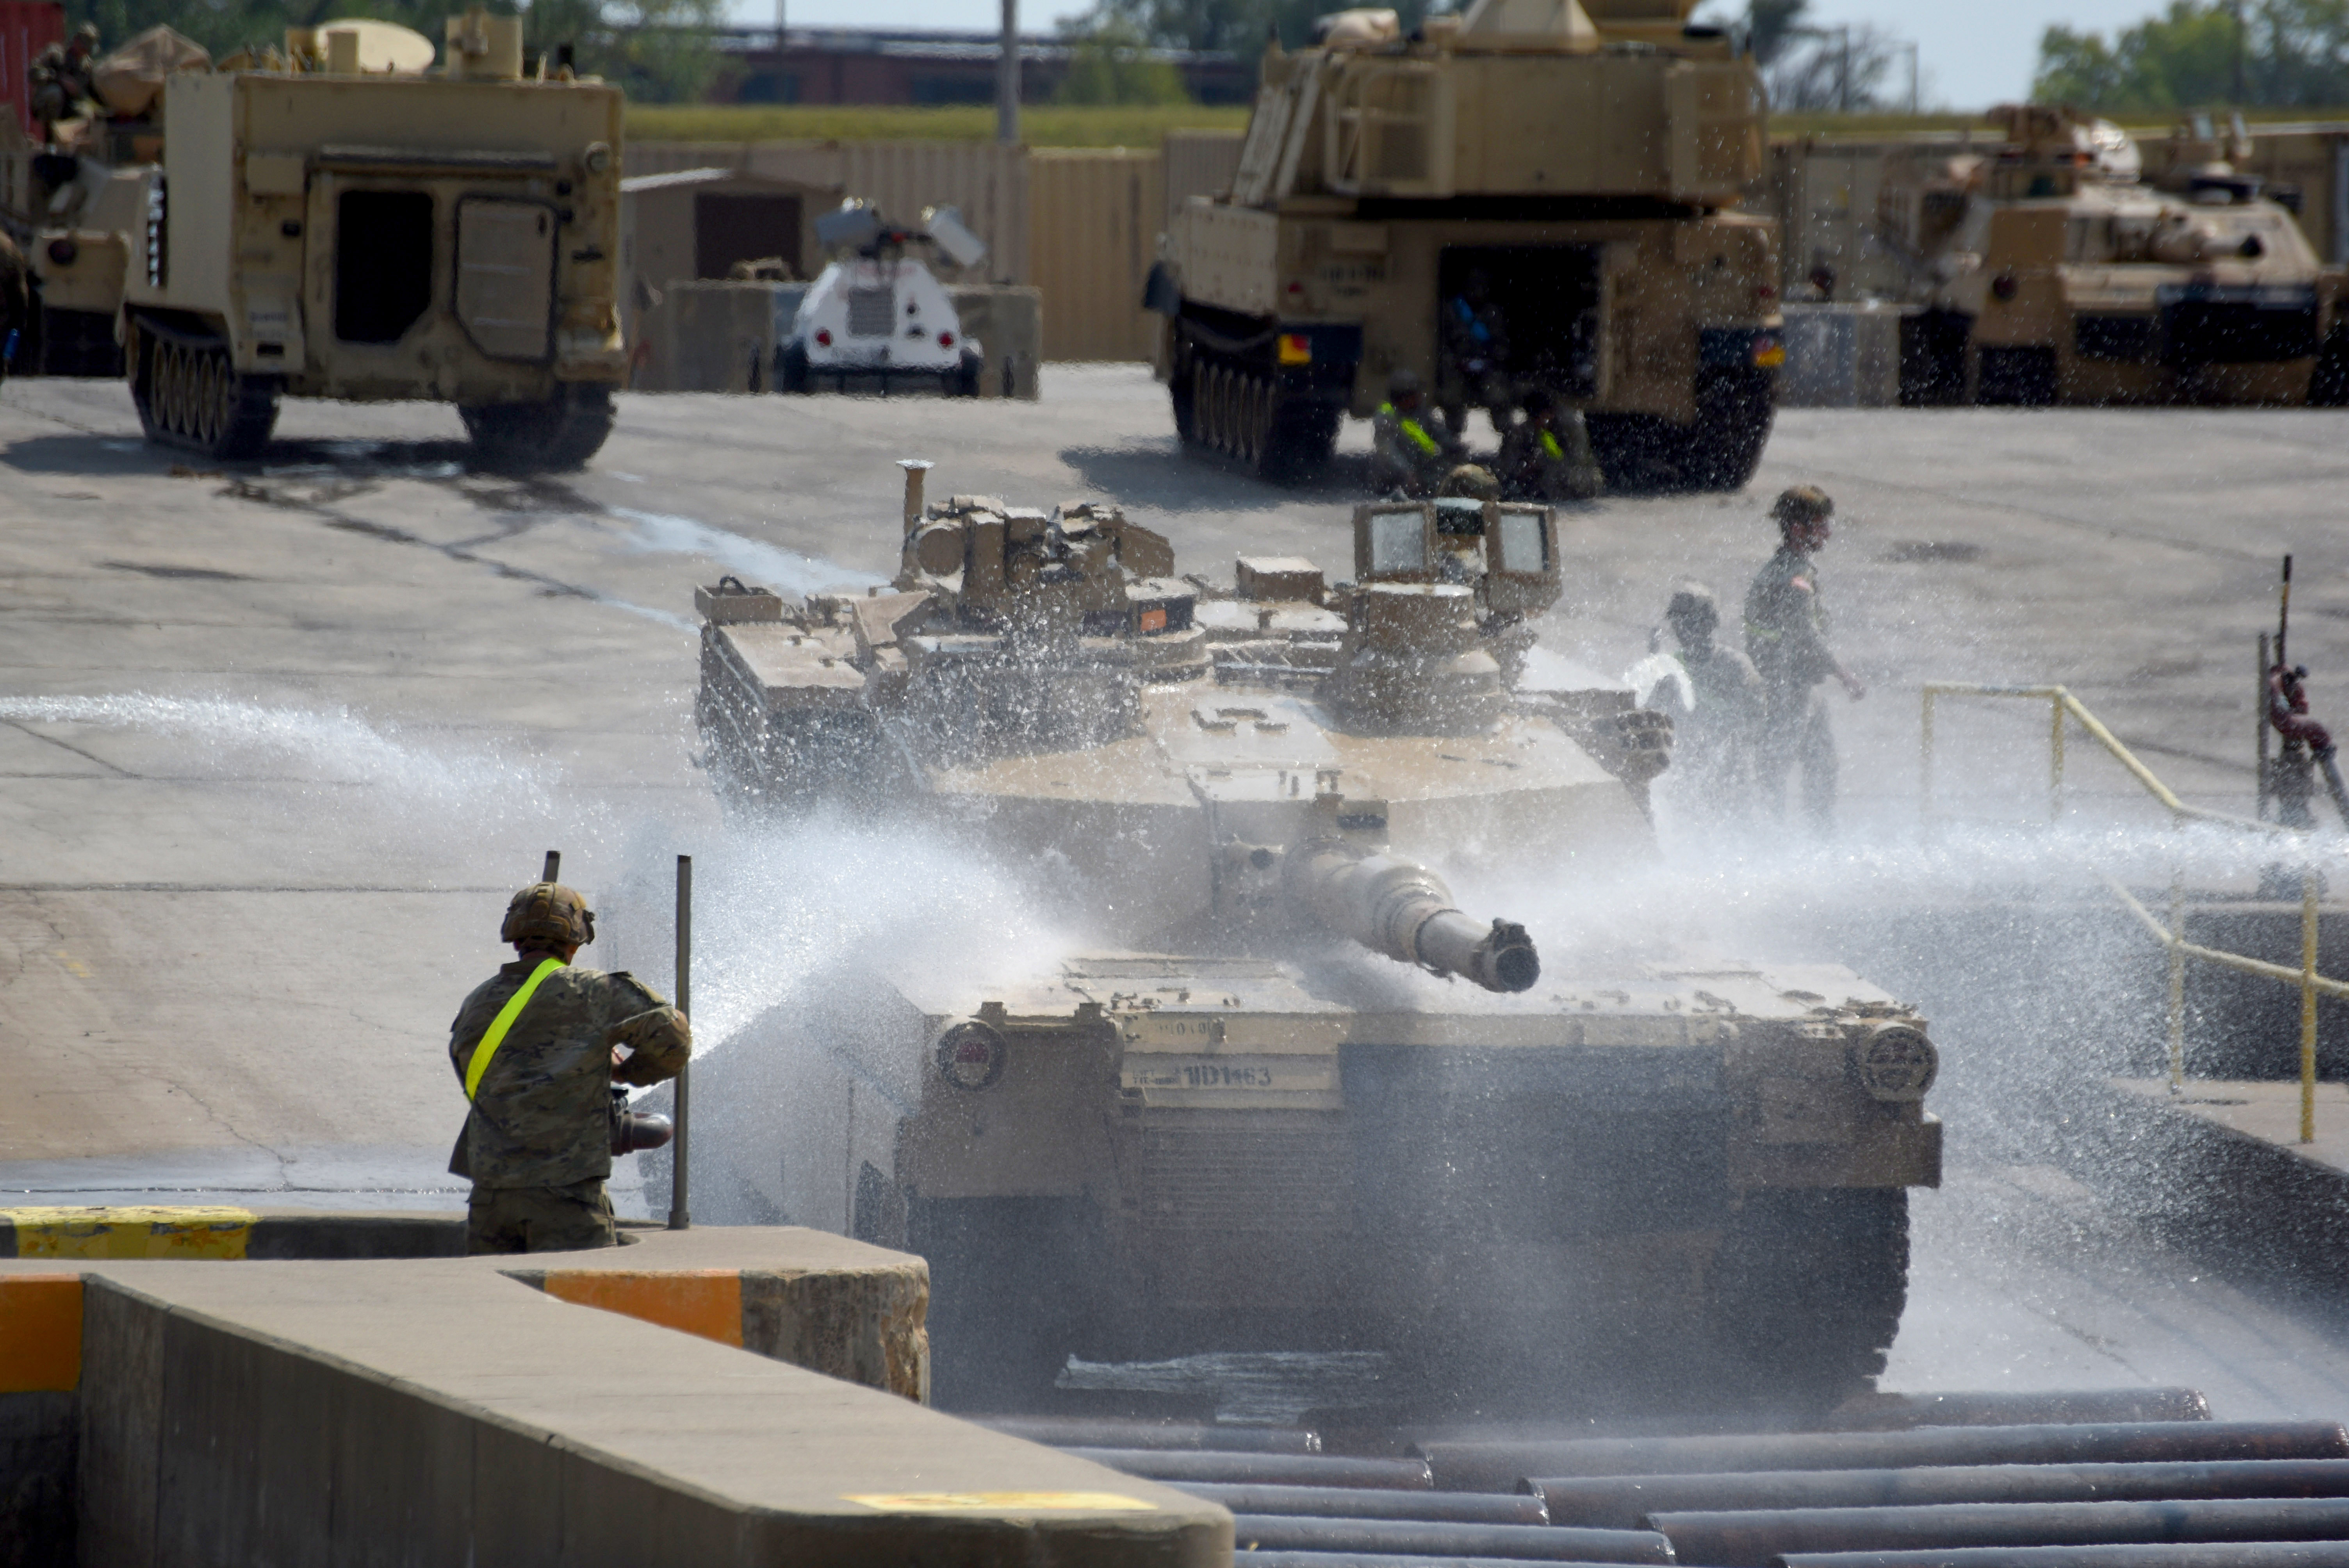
(2306, 748)
(537, 1047)
(1406, 456)
(1546, 456)
(1785, 634)
(1717, 735)
(1477, 342)
(61, 79)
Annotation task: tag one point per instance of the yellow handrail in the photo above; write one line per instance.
(2311, 983)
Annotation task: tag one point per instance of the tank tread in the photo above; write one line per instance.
(190, 394)
(1806, 1293)
(1226, 404)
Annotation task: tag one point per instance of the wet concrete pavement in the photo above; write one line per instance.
(277, 741)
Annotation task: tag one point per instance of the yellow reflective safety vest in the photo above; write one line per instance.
(1551, 449)
(1411, 429)
(494, 1036)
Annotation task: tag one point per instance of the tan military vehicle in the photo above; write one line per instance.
(1532, 196)
(2055, 272)
(345, 222)
(1292, 1095)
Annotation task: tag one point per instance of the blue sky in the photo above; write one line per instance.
(1972, 55)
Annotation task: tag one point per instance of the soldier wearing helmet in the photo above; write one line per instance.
(1408, 453)
(1787, 636)
(538, 1046)
(1716, 709)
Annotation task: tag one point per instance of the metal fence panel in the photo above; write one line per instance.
(1094, 218)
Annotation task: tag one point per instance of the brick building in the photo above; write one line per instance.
(859, 65)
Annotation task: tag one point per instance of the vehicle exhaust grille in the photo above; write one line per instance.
(872, 312)
(1234, 1207)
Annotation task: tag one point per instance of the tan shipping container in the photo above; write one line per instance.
(1094, 218)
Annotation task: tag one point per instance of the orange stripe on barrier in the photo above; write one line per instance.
(707, 1302)
(40, 1333)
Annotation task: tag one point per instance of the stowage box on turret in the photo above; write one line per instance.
(1288, 1092)
(328, 226)
(1532, 197)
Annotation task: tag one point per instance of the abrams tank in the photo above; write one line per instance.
(1532, 196)
(1298, 1095)
(2055, 271)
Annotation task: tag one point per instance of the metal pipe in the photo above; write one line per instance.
(1122, 1432)
(1499, 1466)
(2177, 984)
(1362, 1560)
(2003, 1407)
(1625, 1503)
(2289, 975)
(1754, 1540)
(1265, 1470)
(2260, 707)
(915, 468)
(1925, 761)
(1007, 78)
(2307, 997)
(680, 1206)
(1533, 1543)
(2054, 760)
(2148, 1554)
(1358, 1502)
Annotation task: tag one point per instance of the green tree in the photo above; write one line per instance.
(1114, 65)
(2293, 52)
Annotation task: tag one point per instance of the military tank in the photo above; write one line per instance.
(1298, 1095)
(1534, 195)
(2054, 270)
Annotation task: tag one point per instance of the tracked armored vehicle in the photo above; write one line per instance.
(1295, 1095)
(346, 220)
(1534, 196)
(2056, 269)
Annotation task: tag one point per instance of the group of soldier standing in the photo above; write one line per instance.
(1745, 721)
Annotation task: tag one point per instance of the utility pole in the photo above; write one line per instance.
(779, 5)
(1843, 85)
(2239, 29)
(1007, 78)
(1912, 81)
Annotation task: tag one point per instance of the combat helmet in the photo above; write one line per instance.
(548, 913)
(1472, 481)
(1802, 503)
(1692, 612)
(1403, 383)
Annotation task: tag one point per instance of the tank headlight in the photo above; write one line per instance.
(62, 252)
(596, 159)
(971, 1055)
(1895, 1062)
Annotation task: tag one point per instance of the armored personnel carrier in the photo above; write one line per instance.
(1295, 1095)
(343, 221)
(1529, 197)
(2055, 270)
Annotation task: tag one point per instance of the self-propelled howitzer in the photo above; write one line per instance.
(1253, 1110)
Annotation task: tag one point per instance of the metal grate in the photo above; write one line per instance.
(1252, 1173)
(872, 312)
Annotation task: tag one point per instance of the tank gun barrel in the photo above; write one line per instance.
(1402, 909)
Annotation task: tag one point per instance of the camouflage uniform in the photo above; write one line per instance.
(1785, 634)
(1407, 454)
(1716, 748)
(1549, 459)
(537, 1145)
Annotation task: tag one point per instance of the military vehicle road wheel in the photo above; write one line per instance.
(1242, 414)
(189, 396)
(562, 432)
(1806, 1293)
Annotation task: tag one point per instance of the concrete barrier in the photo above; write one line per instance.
(440, 1409)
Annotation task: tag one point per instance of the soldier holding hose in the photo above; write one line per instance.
(538, 1046)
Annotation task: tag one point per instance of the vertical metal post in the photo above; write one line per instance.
(2308, 1003)
(1925, 765)
(680, 1212)
(2177, 981)
(2055, 759)
(1007, 78)
(2260, 708)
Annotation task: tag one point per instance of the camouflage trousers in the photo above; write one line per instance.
(1800, 738)
(539, 1219)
